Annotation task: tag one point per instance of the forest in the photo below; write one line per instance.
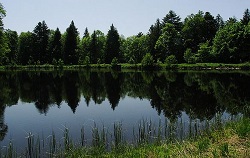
(199, 38)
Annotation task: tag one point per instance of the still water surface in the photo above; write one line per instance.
(42, 102)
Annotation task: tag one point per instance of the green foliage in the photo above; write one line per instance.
(55, 45)
(193, 31)
(12, 41)
(70, 46)
(93, 49)
(197, 29)
(41, 39)
(131, 61)
(4, 49)
(204, 53)
(246, 17)
(112, 45)
(25, 48)
(243, 127)
(189, 56)
(231, 43)
(87, 61)
(60, 63)
(2, 15)
(54, 62)
(169, 43)
(209, 39)
(171, 60)
(172, 18)
(154, 34)
(114, 62)
(203, 144)
(147, 60)
(134, 48)
(224, 149)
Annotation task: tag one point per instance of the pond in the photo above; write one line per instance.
(48, 102)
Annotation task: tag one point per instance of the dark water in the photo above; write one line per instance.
(42, 102)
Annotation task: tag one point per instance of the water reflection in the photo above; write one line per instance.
(200, 95)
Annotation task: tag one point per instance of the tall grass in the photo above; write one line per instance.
(144, 132)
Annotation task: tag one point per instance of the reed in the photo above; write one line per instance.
(146, 133)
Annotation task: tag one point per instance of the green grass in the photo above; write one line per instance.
(124, 66)
(213, 138)
(231, 140)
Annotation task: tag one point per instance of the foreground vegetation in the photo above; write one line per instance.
(214, 138)
(231, 140)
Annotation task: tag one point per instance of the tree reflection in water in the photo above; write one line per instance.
(200, 94)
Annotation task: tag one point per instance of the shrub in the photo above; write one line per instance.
(171, 60)
(54, 62)
(87, 61)
(147, 60)
(60, 63)
(189, 56)
(114, 62)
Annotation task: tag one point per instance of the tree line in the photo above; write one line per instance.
(200, 38)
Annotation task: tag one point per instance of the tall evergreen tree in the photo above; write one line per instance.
(86, 33)
(210, 27)
(41, 40)
(70, 46)
(93, 49)
(172, 18)
(112, 45)
(154, 34)
(219, 22)
(246, 17)
(56, 45)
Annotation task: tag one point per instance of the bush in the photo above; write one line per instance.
(131, 61)
(114, 62)
(147, 60)
(99, 61)
(87, 61)
(189, 56)
(60, 63)
(171, 60)
(54, 62)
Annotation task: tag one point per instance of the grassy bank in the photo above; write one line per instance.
(214, 138)
(183, 66)
(231, 140)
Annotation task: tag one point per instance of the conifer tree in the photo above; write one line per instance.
(112, 45)
(246, 17)
(70, 45)
(93, 49)
(41, 39)
(172, 18)
(154, 34)
(56, 45)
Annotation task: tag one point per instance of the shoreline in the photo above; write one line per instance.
(156, 67)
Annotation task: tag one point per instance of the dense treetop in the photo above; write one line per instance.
(200, 37)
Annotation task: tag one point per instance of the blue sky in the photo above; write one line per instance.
(128, 16)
